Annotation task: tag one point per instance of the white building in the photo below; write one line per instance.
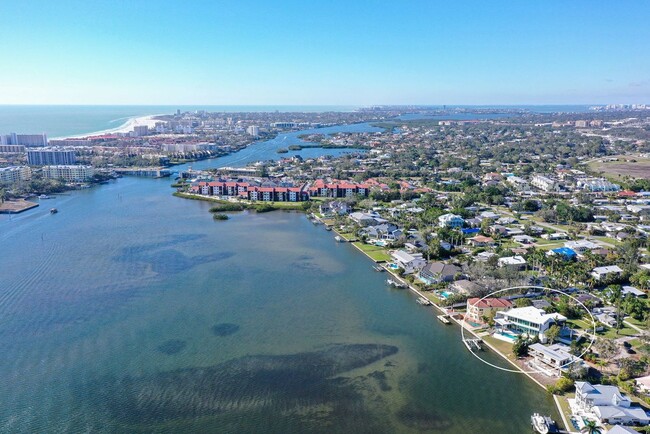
(581, 246)
(253, 130)
(544, 183)
(597, 185)
(516, 262)
(450, 221)
(410, 262)
(69, 173)
(602, 272)
(140, 130)
(555, 359)
(608, 404)
(527, 321)
(12, 174)
(518, 183)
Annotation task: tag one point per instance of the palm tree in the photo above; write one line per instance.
(591, 427)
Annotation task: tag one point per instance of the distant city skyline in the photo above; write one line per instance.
(325, 53)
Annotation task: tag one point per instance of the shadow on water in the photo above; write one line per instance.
(304, 384)
(225, 329)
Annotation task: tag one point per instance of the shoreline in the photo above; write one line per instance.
(467, 329)
(124, 128)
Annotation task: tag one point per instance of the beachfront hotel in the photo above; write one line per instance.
(528, 321)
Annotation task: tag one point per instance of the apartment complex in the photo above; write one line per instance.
(51, 156)
(12, 174)
(246, 190)
(69, 173)
(342, 189)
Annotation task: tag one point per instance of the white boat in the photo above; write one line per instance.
(444, 319)
(540, 423)
(43, 196)
(394, 283)
(423, 301)
(338, 239)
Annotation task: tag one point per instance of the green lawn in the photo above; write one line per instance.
(376, 253)
(640, 324)
(608, 240)
(348, 236)
(610, 332)
(581, 324)
(503, 347)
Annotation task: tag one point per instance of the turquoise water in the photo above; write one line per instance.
(59, 121)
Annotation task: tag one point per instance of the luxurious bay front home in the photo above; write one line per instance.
(529, 321)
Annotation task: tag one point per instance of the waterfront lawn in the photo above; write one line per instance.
(610, 332)
(504, 348)
(376, 253)
(581, 324)
(348, 236)
(563, 401)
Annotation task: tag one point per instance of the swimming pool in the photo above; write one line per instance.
(474, 324)
(393, 266)
(446, 294)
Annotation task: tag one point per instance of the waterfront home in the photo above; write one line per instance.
(481, 241)
(553, 360)
(499, 230)
(366, 218)
(409, 262)
(609, 271)
(478, 308)
(608, 404)
(436, 272)
(333, 208)
(528, 321)
(514, 262)
(384, 231)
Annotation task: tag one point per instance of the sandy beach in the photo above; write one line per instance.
(126, 127)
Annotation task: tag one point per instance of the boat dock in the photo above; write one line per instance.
(473, 344)
(423, 301)
(443, 319)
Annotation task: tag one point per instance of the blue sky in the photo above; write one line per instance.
(339, 52)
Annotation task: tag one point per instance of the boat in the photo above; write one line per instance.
(444, 319)
(338, 239)
(391, 282)
(43, 196)
(328, 228)
(53, 210)
(423, 301)
(543, 424)
(378, 268)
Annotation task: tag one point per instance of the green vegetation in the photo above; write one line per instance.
(219, 216)
(230, 206)
(376, 253)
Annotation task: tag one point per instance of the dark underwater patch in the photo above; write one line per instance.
(172, 346)
(225, 329)
(262, 384)
(380, 377)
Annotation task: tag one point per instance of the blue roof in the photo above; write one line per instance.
(471, 230)
(569, 253)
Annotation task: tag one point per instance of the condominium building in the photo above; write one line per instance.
(51, 156)
(69, 173)
(253, 131)
(12, 174)
(24, 139)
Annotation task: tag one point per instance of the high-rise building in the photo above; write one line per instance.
(24, 139)
(253, 131)
(50, 156)
(12, 149)
(70, 173)
(141, 130)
